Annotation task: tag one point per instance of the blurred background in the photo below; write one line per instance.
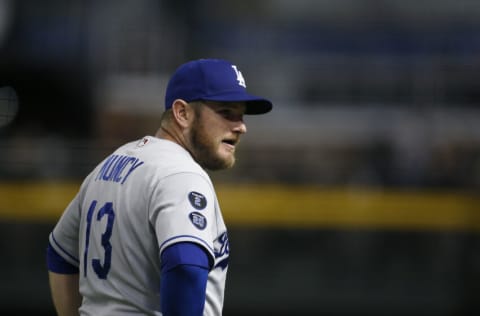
(357, 195)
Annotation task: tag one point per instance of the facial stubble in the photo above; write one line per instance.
(204, 148)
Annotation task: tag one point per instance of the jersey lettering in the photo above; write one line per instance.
(117, 168)
(100, 269)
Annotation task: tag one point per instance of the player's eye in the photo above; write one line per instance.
(230, 115)
(225, 112)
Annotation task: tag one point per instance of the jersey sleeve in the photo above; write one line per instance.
(182, 209)
(64, 237)
(56, 263)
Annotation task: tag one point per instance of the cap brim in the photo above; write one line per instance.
(259, 106)
(255, 105)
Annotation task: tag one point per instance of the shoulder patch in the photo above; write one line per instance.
(198, 200)
(198, 220)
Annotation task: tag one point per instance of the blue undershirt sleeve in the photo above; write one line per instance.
(184, 273)
(56, 263)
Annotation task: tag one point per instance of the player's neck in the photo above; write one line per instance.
(166, 133)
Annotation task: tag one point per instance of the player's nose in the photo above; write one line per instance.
(240, 127)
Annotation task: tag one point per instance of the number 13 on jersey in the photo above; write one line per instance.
(106, 210)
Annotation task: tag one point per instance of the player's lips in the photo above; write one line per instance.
(230, 143)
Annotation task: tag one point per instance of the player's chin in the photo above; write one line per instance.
(227, 158)
(218, 161)
(230, 162)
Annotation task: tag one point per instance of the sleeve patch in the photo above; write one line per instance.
(198, 220)
(198, 200)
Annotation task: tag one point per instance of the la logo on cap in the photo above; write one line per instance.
(240, 79)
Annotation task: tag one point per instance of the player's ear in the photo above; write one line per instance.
(182, 112)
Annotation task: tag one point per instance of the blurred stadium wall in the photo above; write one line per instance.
(357, 195)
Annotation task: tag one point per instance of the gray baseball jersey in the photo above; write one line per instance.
(144, 197)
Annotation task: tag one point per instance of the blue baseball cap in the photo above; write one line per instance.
(212, 80)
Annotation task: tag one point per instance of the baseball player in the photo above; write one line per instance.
(145, 234)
